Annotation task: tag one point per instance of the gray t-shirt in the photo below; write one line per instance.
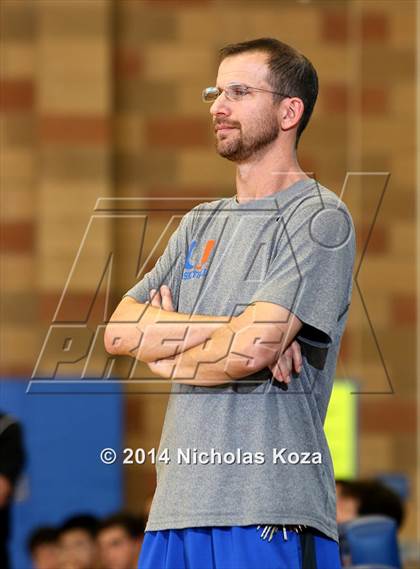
(294, 248)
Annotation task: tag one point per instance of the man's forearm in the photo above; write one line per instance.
(148, 333)
(224, 358)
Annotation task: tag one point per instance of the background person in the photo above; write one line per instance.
(12, 459)
(119, 539)
(357, 498)
(77, 542)
(43, 548)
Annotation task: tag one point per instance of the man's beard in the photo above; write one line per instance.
(241, 148)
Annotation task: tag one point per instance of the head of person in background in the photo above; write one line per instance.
(357, 498)
(43, 548)
(119, 539)
(77, 541)
(348, 501)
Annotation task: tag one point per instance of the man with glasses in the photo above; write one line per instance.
(246, 477)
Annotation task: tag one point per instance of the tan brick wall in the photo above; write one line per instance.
(56, 149)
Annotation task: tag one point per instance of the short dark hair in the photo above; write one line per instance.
(84, 522)
(289, 72)
(374, 497)
(131, 524)
(44, 535)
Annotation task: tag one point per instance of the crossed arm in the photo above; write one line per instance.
(205, 350)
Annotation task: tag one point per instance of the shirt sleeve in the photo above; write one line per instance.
(168, 268)
(310, 272)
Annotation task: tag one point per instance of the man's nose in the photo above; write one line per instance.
(220, 105)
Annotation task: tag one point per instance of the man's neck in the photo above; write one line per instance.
(263, 175)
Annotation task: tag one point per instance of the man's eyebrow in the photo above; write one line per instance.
(231, 83)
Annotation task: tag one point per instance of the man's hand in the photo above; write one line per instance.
(291, 358)
(281, 369)
(161, 298)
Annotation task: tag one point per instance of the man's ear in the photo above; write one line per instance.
(291, 111)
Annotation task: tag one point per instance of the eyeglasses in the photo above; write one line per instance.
(233, 92)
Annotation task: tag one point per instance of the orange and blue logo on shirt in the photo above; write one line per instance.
(199, 270)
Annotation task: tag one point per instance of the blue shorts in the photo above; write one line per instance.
(237, 547)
